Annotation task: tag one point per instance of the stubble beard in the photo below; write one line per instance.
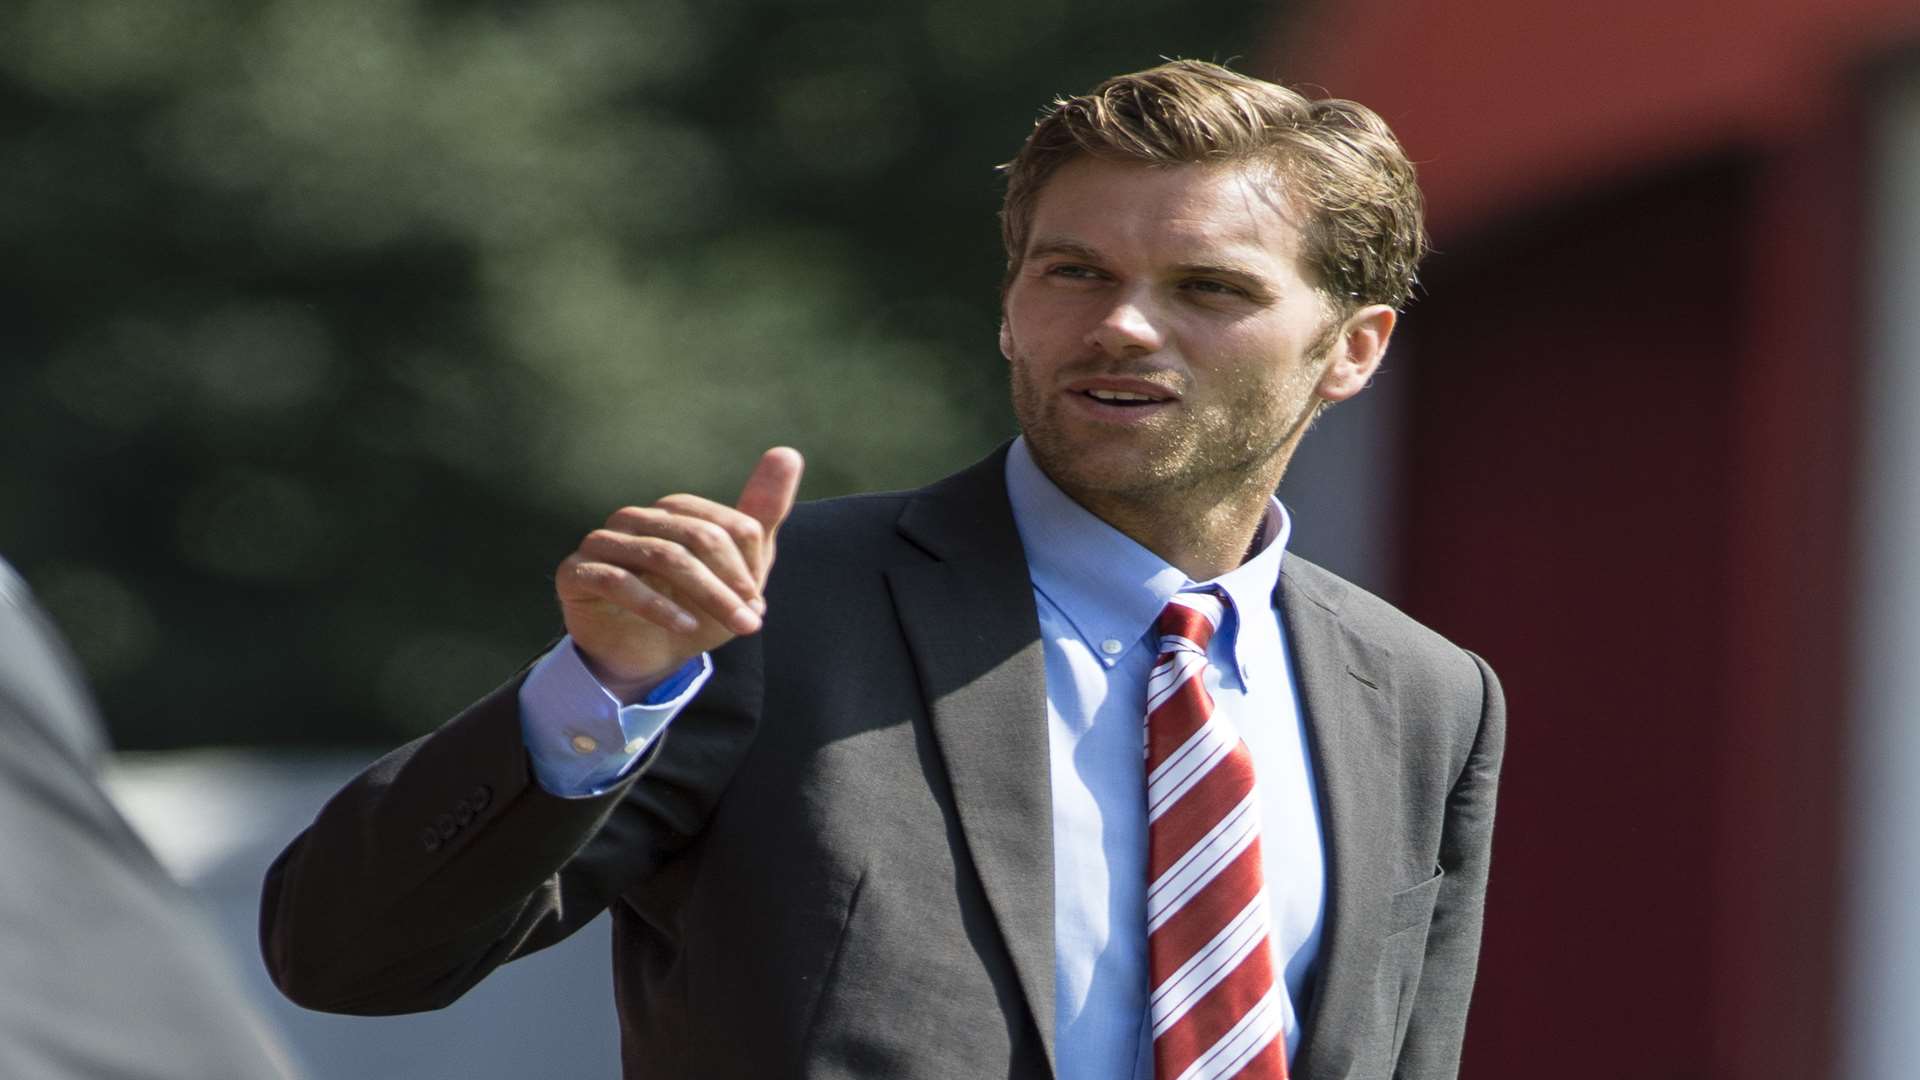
(1190, 468)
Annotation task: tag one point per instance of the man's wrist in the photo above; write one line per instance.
(645, 689)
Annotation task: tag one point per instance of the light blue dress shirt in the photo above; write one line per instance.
(1098, 594)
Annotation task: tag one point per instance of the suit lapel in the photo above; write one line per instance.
(969, 622)
(1354, 740)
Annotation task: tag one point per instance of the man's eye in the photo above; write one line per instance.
(1074, 271)
(1214, 288)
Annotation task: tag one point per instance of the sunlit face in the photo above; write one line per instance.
(1163, 336)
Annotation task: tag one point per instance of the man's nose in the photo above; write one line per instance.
(1127, 328)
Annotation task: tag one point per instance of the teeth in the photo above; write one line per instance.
(1117, 395)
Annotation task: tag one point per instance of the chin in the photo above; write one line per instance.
(1101, 470)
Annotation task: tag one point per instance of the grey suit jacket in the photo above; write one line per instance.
(106, 969)
(838, 862)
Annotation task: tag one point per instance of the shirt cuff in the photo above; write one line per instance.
(581, 739)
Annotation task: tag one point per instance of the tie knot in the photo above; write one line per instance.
(1188, 621)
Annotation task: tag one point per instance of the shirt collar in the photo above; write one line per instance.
(1107, 585)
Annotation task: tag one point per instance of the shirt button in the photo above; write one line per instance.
(634, 746)
(585, 744)
(1112, 647)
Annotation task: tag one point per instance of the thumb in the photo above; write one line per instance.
(769, 492)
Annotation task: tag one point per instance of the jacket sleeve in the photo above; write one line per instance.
(1437, 1021)
(446, 858)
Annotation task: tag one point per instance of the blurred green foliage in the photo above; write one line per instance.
(330, 325)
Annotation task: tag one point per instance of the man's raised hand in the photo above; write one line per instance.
(656, 586)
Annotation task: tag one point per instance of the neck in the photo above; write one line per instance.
(1204, 539)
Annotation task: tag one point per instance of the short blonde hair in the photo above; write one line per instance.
(1339, 161)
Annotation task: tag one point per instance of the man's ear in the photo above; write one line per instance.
(1356, 353)
(1006, 339)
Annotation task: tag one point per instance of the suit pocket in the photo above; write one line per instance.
(1410, 908)
(835, 961)
(1403, 951)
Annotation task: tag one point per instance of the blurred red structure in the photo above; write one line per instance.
(1630, 443)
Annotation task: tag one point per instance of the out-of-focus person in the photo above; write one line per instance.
(106, 970)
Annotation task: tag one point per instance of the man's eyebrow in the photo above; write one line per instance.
(1227, 269)
(1060, 245)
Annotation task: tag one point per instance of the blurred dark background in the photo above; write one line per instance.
(328, 326)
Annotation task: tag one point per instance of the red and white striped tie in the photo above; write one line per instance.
(1215, 1006)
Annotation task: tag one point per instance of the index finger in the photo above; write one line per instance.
(769, 492)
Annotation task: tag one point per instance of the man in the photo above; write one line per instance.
(108, 970)
(879, 807)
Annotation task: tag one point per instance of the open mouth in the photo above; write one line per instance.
(1124, 398)
(1120, 397)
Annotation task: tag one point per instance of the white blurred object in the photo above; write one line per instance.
(217, 818)
(202, 809)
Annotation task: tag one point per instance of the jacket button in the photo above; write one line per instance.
(430, 839)
(480, 797)
(446, 826)
(463, 815)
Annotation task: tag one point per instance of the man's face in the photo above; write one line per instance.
(1165, 344)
